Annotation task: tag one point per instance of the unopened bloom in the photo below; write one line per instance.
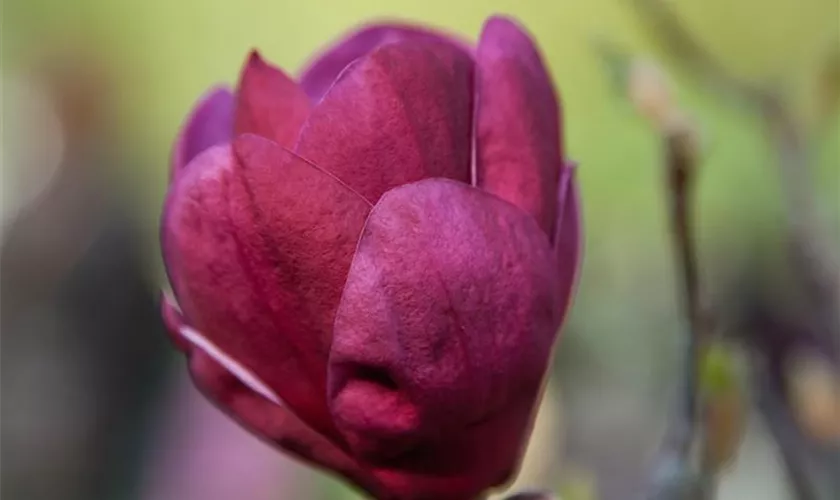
(370, 264)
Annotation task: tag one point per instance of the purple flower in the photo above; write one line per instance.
(370, 265)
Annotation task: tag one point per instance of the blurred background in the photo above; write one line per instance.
(95, 403)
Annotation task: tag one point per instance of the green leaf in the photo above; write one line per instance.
(718, 369)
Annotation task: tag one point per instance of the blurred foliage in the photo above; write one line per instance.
(166, 53)
(724, 405)
(718, 370)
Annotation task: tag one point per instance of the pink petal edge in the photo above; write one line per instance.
(209, 123)
(320, 73)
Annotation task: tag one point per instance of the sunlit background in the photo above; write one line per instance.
(96, 404)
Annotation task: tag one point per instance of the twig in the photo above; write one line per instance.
(681, 165)
(786, 435)
(820, 269)
(809, 246)
(677, 476)
(812, 252)
(680, 170)
(685, 52)
(532, 495)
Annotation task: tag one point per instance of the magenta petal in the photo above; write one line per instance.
(319, 76)
(446, 324)
(568, 237)
(257, 244)
(518, 122)
(270, 104)
(210, 123)
(401, 114)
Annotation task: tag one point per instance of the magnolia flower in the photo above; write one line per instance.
(370, 264)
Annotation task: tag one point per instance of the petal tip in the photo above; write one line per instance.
(254, 57)
(506, 25)
(254, 62)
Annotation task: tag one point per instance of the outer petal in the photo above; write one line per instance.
(444, 330)
(271, 421)
(257, 244)
(210, 123)
(568, 238)
(319, 76)
(401, 114)
(173, 320)
(270, 104)
(518, 123)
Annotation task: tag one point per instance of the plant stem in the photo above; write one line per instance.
(813, 257)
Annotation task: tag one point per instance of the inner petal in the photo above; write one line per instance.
(401, 114)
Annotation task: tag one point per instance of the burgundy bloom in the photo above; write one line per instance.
(370, 264)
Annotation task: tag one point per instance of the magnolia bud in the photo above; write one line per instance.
(650, 92)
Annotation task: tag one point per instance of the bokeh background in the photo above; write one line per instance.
(96, 405)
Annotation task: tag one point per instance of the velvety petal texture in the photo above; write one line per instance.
(319, 76)
(450, 292)
(258, 265)
(269, 103)
(517, 122)
(369, 267)
(400, 114)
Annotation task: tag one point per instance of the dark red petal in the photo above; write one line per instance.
(445, 326)
(257, 244)
(210, 123)
(401, 114)
(269, 103)
(323, 71)
(518, 122)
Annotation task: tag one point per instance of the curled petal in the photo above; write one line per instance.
(257, 244)
(568, 238)
(319, 76)
(173, 320)
(517, 121)
(269, 103)
(399, 115)
(269, 420)
(444, 328)
(210, 123)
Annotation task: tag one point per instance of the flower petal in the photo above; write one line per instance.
(271, 421)
(568, 238)
(173, 320)
(401, 114)
(210, 123)
(319, 76)
(463, 465)
(257, 244)
(518, 122)
(269, 104)
(446, 324)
